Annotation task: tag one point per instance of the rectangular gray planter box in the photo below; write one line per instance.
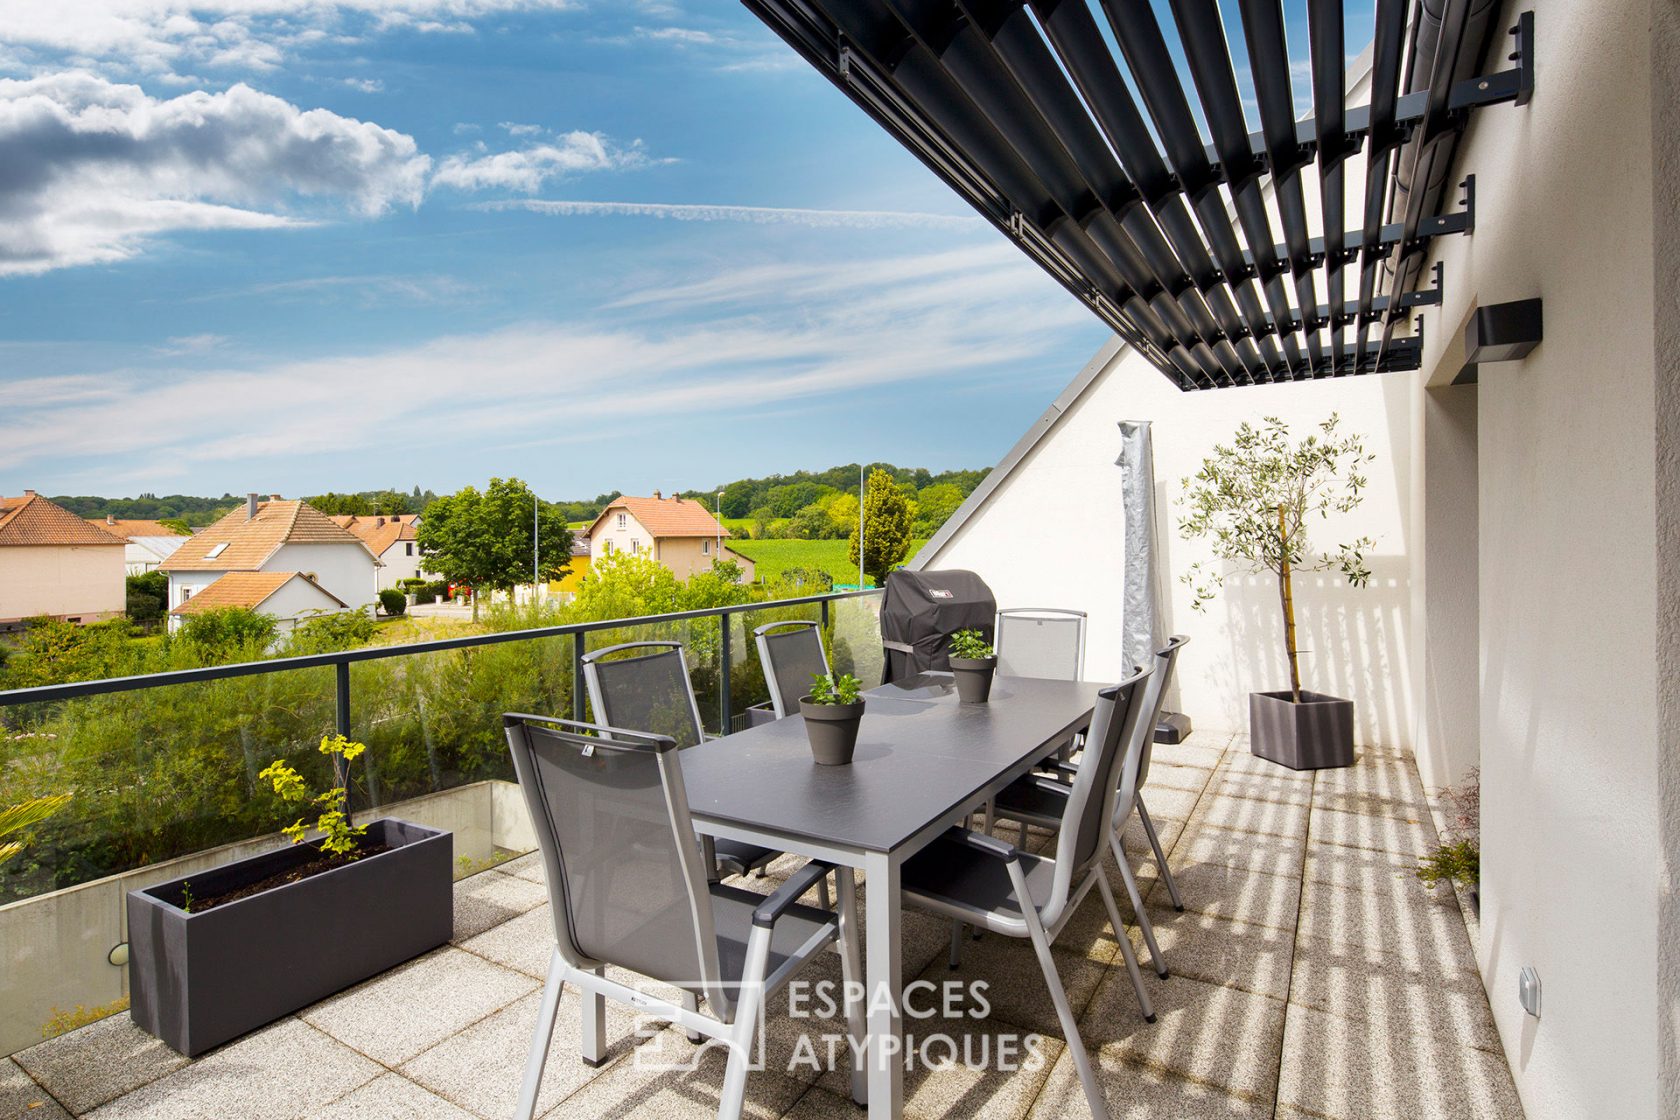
(1315, 734)
(197, 980)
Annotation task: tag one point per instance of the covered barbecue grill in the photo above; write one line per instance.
(921, 612)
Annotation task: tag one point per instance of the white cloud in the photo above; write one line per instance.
(364, 85)
(191, 344)
(93, 169)
(527, 169)
(514, 128)
(774, 337)
(161, 35)
(763, 215)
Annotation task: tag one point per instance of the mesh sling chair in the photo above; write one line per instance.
(646, 687)
(980, 880)
(627, 889)
(1043, 801)
(791, 653)
(1041, 642)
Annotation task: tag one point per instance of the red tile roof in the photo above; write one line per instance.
(251, 541)
(133, 527)
(32, 520)
(666, 517)
(245, 589)
(379, 532)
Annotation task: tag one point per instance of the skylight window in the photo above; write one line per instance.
(217, 551)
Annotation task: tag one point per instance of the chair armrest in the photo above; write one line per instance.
(979, 841)
(788, 893)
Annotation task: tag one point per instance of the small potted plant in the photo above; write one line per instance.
(973, 661)
(225, 951)
(832, 712)
(1254, 499)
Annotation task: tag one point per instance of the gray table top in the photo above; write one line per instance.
(920, 756)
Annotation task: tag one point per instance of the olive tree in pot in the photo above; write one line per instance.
(222, 952)
(1253, 500)
(833, 711)
(973, 662)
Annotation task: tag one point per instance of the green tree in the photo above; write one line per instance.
(738, 498)
(1254, 499)
(176, 525)
(887, 520)
(842, 509)
(934, 506)
(626, 585)
(811, 523)
(483, 538)
(148, 595)
(227, 634)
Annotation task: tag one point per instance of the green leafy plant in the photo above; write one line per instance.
(971, 645)
(16, 818)
(186, 897)
(392, 601)
(1456, 862)
(827, 689)
(339, 837)
(1253, 500)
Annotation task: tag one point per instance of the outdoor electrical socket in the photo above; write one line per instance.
(1528, 990)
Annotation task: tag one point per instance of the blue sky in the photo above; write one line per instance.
(291, 246)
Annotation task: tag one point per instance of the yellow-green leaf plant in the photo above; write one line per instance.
(339, 838)
(27, 814)
(1253, 500)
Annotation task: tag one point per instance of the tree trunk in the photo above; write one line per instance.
(1286, 592)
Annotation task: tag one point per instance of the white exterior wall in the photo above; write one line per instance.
(294, 602)
(1567, 461)
(345, 570)
(1067, 490)
(399, 565)
(621, 538)
(84, 581)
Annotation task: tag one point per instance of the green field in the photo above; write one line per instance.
(773, 557)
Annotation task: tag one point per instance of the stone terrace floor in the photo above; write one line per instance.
(1312, 976)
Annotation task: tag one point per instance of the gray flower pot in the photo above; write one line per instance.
(974, 678)
(197, 980)
(832, 730)
(1315, 734)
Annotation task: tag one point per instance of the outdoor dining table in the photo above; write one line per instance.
(924, 762)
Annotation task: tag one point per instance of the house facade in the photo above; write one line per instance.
(290, 598)
(54, 563)
(272, 536)
(679, 533)
(393, 539)
(150, 543)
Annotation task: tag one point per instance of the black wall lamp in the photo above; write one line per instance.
(1501, 332)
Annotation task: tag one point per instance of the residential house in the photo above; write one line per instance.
(288, 597)
(679, 533)
(54, 563)
(273, 536)
(150, 543)
(566, 586)
(392, 538)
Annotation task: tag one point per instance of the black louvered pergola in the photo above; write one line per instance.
(1067, 125)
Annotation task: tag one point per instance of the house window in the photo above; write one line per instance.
(411, 548)
(635, 546)
(606, 548)
(217, 551)
(705, 547)
(186, 593)
(621, 521)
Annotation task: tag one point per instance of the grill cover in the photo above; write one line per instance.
(922, 610)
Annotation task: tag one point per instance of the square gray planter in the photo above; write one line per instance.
(197, 980)
(1315, 734)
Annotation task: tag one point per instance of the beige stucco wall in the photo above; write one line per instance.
(683, 555)
(85, 581)
(1568, 604)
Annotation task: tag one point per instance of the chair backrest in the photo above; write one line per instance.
(644, 686)
(1041, 642)
(1090, 803)
(791, 654)
(626, 882)
(1166, 658)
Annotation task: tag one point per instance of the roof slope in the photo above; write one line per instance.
(32, 520)
(246, 589)
(378, 533)
(251, 541)
(133, 527)
(667, 517)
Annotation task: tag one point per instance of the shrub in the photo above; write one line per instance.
(329, 633)
(393, 602)
(148, 596)
(227, 633)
